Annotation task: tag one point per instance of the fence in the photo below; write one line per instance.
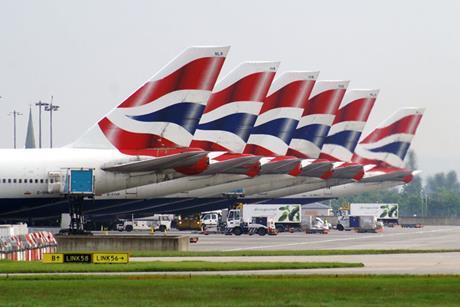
(27, 247)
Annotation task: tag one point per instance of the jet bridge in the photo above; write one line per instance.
(75, 185)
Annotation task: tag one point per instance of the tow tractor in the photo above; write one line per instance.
(161, 222)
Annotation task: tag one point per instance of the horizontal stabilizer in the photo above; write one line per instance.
(279, 166)
(316, 169)
(353, 171)
(239, 165)
(149, 164)
(396, 175)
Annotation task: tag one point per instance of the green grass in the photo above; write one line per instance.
(231, 291)
(287, 252)
(163, 266)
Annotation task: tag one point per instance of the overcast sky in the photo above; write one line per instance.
(90, 55)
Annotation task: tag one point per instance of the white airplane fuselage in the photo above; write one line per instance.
(25, 173)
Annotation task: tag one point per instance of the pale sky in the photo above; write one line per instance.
(90, 55)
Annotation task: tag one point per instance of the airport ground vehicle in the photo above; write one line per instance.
(285, 216)
(161, 222)
(362, 223)
(387, 213)
(240, 222)
(189, 223)
(210, 219)
(315, 225)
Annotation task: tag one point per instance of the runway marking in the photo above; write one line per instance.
(342, 239)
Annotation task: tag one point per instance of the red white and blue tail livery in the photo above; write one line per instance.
(280, 114)
(317, 119)
(388, 144)
(233, 107)
(345, 132)
(348, 125)
(165, 111)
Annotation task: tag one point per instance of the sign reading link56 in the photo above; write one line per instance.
(86, 258)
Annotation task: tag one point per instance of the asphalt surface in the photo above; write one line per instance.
(428, 237)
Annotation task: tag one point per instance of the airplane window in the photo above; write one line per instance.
(46, 180)
(20, 181)
(14, 180)
(9, 180)
(51, 180)
(36, 180)
(4, 180)
(31, 181)
(41, 180)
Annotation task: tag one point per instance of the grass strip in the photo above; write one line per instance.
(287, 252)
(231, 291)
(164, 266)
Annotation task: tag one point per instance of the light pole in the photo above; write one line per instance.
(40, 105)
(15, 114)
(51, 107)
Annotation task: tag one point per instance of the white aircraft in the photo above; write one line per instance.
(116, 153)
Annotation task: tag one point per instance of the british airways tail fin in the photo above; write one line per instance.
(388, 144)
(348, 125)
(233, 107)
(165, 111)
(317, 119)
(280, 113)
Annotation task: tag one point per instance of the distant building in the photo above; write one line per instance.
(30, 136)
(317, 209)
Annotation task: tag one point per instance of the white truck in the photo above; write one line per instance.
(360, 223)
(315, 225)
(386, 213)
(210, 219)
(244, 221)
(285, 216)
(161, 222)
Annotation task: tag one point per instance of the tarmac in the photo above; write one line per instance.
(428, 237)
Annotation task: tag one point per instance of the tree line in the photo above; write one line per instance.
(437, 196)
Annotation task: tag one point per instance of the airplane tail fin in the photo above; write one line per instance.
(317, 119)
(348, 125)
(280, 113)
(387, 145)
(233, 107)
(165, 111)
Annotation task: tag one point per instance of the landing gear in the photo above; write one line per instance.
(76, 226)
